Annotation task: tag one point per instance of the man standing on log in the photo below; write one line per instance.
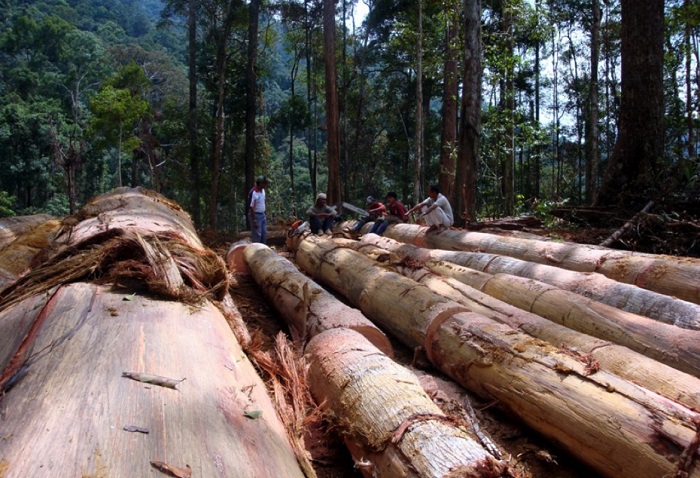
(256, 214)
(435, 209)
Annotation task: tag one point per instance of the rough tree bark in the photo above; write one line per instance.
(626, 433)
(672, 276)
(671, 345)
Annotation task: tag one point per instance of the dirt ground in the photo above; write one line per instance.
(530, 455)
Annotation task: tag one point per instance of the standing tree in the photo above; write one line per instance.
(193, 5)
(448, 143)
(592, 114)
(418, 159)
(633, 166)
(251, 99)
(333, 147)
(470, 125)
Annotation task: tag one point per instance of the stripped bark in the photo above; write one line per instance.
(13, 227)
(627, 297)
(628, 432)
(673, 346)
(673, 276)
(21, 246)
(307, 308)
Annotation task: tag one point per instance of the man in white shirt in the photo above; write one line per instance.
(256, 213)
(435, 209)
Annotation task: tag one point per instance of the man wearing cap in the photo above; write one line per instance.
(256, 213)
(321, 216)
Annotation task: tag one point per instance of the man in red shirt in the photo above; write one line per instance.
(397, 213)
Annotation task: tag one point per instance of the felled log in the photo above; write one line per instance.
(391, 426)
(622, 361)
(12, 227)
(307, 307)
(627, 297)
(20, 243)
(673, 276)
(671, 345)
(116, 357)
(616, 426)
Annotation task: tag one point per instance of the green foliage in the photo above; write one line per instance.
(6, 202)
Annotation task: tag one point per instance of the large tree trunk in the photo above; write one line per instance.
(332, 112)
(448, 142)
(467, 170)
(250, 103)
(592, 153)
(671, 345)
(672, 276)
(418, 153)
(630, 176)
(73, 354)
(195, 205)
(308, 309)
(625, 434)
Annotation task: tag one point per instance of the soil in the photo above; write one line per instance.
(530, 454)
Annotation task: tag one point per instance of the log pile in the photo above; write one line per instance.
(607, 419)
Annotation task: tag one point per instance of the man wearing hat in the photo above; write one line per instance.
(256, 213)
(321, 216)
(376, 210)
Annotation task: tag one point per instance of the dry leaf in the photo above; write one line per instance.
(153, 379)
(170, 470)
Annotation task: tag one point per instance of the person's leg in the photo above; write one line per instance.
(262, 220)
(382, 227)
(437, 219)
(315, 224)
(254, 231)
(360, 222)
(328, 224)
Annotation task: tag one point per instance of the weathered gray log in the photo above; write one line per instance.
(616, 426)
(671, 345)
(673, 276)
(627, 297)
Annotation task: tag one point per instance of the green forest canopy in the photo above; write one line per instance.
(95, 94)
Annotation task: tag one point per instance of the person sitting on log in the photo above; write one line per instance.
(376, 210)
(397, 213)
(321, 216)
(435, 209)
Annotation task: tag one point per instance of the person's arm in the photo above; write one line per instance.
(252, 212)
(416, 207)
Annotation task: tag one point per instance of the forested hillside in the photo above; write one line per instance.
(511, 106)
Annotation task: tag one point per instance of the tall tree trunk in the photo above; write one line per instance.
(333, 146)
(592, 155)
(470, 116)
(220, 72)
(418, 159)
(448, 143)
(689, 82)
(310, 101)
(195, 204)
(509, 107)
(630, 176)
(251, 102)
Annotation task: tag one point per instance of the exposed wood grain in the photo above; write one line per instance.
(66, 416)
